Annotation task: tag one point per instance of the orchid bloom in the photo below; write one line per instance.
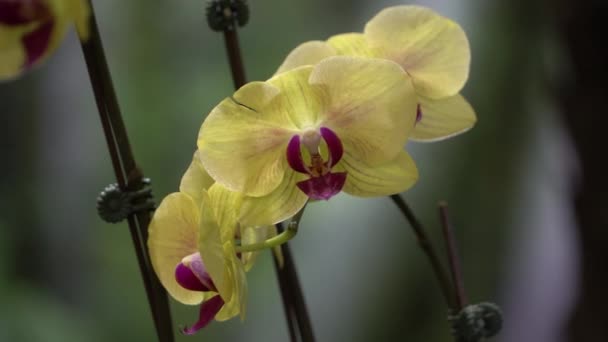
(311, 133)
(192, 247)
(30, 30)
(433, 50)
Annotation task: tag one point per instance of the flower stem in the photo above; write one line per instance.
(454, 259)
(428, 249)
(128, 175)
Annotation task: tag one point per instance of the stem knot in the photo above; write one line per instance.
(115, 204)
(222, 15)
(476, 322)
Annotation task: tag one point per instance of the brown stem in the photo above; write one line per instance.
(233, 51)
(128, 175)
(428, 249)
(454, 259)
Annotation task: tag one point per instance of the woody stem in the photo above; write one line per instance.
(128, 175)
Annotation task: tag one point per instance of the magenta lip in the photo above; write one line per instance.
(324, 187)
(15, 12)
(418, 113)
(188, 280)
(208, 310)
(37, 42)
(194, 276)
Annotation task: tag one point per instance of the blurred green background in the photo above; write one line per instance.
(67, 276)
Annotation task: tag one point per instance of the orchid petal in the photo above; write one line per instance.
(211, 248)
(352, 44)
(218, 228)
(443, 118)
(372, 105)
(309, 53)
(241, 142)
(12, 52)
(195, 179)
(390, 178)
(300, 102)
(279, 205)
(173, 234)
(434, 50)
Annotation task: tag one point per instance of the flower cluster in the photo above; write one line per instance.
(335, 117)
(31, 30)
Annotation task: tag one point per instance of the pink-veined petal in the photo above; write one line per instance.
(173, 235)
(389, 178)
(372, 105)
(279, 205)
(309, 53)
(433, 49)
(443, 118)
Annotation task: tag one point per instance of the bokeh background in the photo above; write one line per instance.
(67, 276)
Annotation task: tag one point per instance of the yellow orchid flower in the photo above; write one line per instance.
(197, 178)
(192, 247)
(30, 30)
(310, 133)
(432, 49)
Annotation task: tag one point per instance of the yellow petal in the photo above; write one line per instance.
(241, 143)
(237, 303)
(352, 44)
(300, 102)
(173, 235)
(390, 178)
(372, 105)
(434, 50)
(80, 12)
(309, 53)
(12, 53)
(195, 179)
(220, 207)
(443, 118)
(281, 204)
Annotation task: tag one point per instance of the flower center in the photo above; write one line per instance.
(323, 184)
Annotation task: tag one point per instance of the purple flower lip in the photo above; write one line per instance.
(37, 42)
(323, 184)
(418, 113)
(207, 313)
(192, 274)
(23, 12)
(324, 187)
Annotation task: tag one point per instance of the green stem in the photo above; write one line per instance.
(288, 234)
